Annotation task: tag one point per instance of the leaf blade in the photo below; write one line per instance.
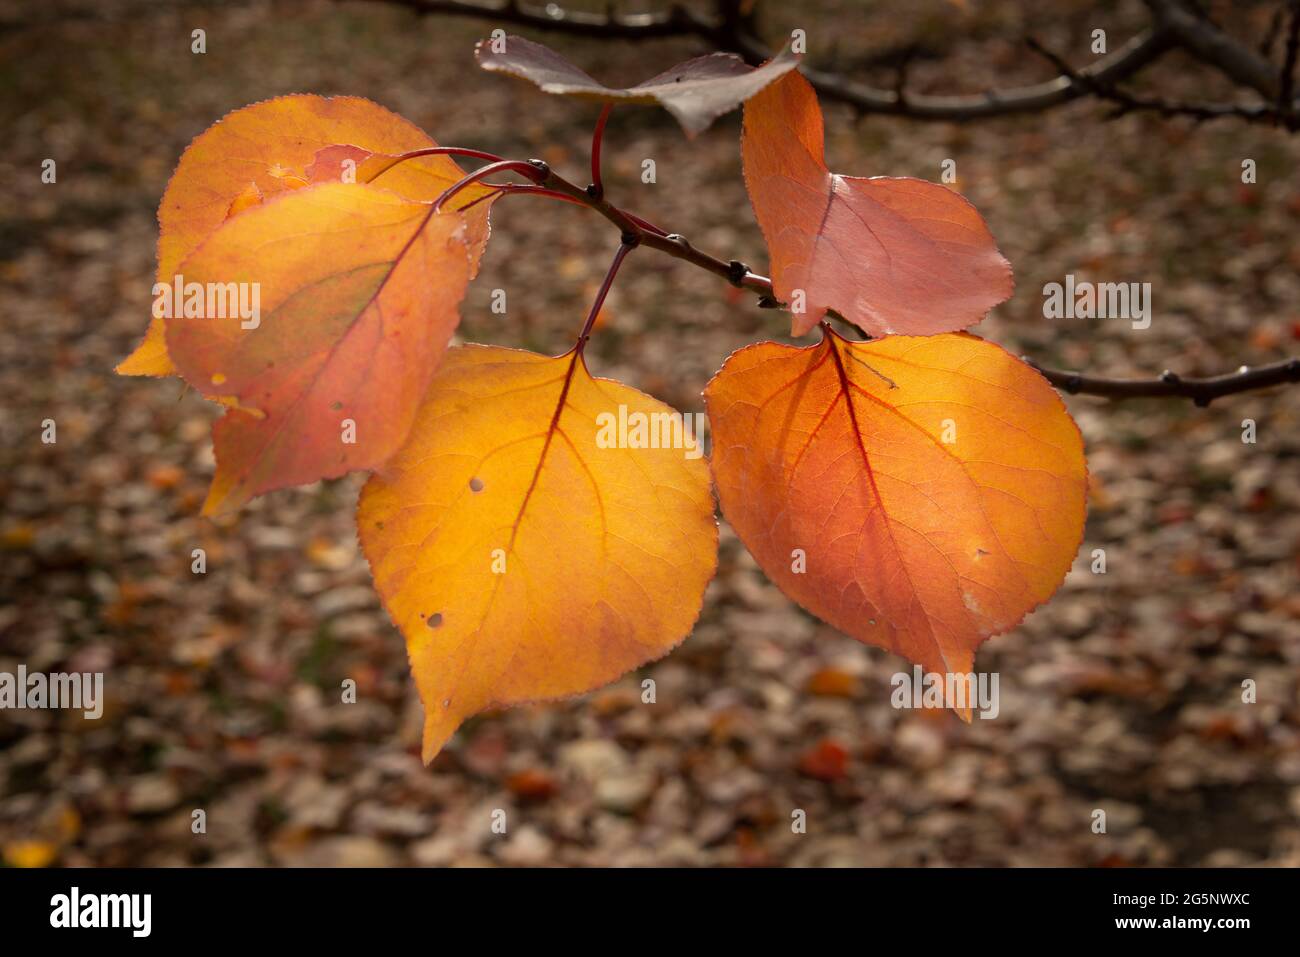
(269, 147)
(893, 255)
(504, 457)
(359, 290)
(913, 544)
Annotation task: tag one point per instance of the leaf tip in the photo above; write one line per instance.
(440, 724)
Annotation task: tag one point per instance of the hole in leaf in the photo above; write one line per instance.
(435, 620)
(476, 484)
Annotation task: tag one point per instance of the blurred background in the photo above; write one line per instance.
(1122, 694)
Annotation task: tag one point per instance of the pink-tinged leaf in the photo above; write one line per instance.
(890, 254)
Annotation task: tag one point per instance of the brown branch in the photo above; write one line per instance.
(1124, 62)
(1286, 77)
(1201, 38)
(1168, 385)
(730, 31)
(731, 27)
(1274, 29)
(1125, 102)
(675, 22)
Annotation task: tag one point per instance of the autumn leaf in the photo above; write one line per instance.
(918, 493)
(696, 92)
(357, 292)
(422, 178)
(267, 148)
(29, 853)
(827, 760)
(522, 554)
(893, 255)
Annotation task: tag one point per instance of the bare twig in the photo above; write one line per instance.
(1286, 76)
(1125, 102)
(1271, 34)
(1201, 38)
(1131, 57)
(732, 27)
(734, 32)
(675, 22)
(1168, 385)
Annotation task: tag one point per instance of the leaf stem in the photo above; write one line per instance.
(1168, 385)
(502, 188)
(435, 151)
(522, 167)
(635, 230)
(629, 243)
(597, 188)
(518, 188)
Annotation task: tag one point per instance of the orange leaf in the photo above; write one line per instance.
(919, 494)
(521, 559)
(890, 254)
(265, 149)
(531, 784)
(29, 853)
(358, 293)
(832, 683)
(827, 760)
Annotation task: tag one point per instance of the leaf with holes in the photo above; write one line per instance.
(890, 254)
(356, 292)
(918, 493)
(526, 553)
(269, 148)
(696, 92)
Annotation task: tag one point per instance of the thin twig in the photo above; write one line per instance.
(597, 139)
(732, 27)
(1200, 391)
(1125, 102)
(1286, 76)
(727, 31)
(1168, 385)
(629, 243)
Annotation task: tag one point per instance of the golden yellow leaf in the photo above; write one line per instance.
(520, 558)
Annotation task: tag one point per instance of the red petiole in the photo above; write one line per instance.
(597, 138)
(436, 151)
(626, 246)
(522, 167)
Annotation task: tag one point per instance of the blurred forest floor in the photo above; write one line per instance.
(1124, 693)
